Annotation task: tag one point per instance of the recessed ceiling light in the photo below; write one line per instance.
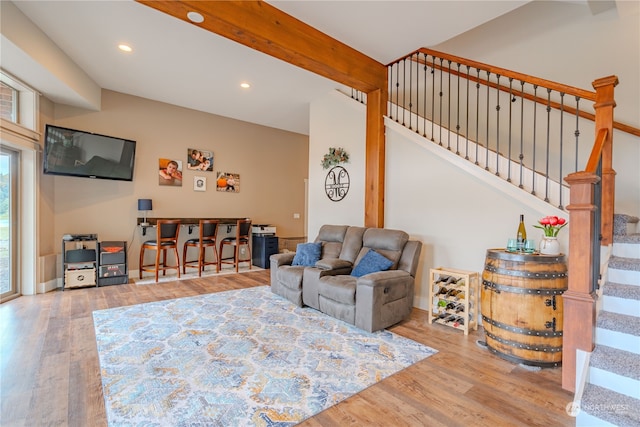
(195, 17)
(245, 85)
(125, 48)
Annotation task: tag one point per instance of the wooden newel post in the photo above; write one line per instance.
(604, 105)
(579, 300)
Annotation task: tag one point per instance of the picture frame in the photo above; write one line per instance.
(228, 182)
(170, 172)
(199, 183)
(199, 160)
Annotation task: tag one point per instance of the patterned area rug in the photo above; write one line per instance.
(236, 358)
(193, 274)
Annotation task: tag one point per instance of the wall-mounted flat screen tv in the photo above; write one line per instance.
(76, 153)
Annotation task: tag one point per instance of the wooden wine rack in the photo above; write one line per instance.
(465, 286)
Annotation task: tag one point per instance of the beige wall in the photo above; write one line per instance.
(272, 165)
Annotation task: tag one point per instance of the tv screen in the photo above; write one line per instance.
(76, 153)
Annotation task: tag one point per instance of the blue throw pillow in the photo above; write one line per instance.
(307, 254)
(371, 262)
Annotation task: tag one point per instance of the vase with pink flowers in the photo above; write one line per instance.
(551, 225)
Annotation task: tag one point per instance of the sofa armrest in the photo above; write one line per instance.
(383, 299)
(334, 264)
(281, 259)
(278, 260)
(383, 278)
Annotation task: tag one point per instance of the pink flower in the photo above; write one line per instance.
(551, 225)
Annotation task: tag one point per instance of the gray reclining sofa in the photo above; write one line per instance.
(371, 301)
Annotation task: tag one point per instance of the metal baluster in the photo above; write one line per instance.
(512, 99)
(561, 145)
(577, 131)
(404, 89)
(417, 92)
(424, 99)
(535, 115)
(486, 164)
(433, 97)
(466, 150)
(410, 91)
(546, 175)
(390, 74)
(458, 112)
(521, 155)
(498, 126)
(477, 114)
(397, 91)
(449, 107)
(441, 95)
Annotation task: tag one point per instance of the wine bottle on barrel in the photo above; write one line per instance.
(521, 235)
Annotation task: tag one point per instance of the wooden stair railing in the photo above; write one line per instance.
(580, 298)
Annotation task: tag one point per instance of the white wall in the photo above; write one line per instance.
(336, 121)
(456, 213)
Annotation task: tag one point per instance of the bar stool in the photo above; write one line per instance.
(208, 232)
(167, 231)
(243, 228)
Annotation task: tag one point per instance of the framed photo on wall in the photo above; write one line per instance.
(228, 182)
(170, 172)
(199, 183)
(199, 160)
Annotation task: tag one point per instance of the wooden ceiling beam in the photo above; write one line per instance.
(260, 26)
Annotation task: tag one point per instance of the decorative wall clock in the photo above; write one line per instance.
(336, 184)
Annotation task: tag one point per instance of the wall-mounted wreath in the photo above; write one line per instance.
(335, 157)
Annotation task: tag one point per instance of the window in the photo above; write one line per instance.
(19, 147)
(8, 102)
(8, 223)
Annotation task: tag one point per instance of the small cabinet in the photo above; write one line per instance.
(112, 263)
(263, 248)
(453, 295)
(79, 259)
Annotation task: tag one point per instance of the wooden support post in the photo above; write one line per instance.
(375, 159)
(579, 300)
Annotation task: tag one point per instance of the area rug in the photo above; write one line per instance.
(236, 358)
(193, 274)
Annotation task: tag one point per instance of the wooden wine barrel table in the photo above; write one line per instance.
(521, 306)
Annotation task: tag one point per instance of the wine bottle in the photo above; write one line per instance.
(521, 236)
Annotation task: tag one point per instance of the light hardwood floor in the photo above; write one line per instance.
(50, 374)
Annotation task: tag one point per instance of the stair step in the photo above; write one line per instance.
(615, 369)
(621, 224)
(622, 299)
(615, 408)
(621, 290)
(621, 263)
(626, 246)
(619, 331)
(624, 270)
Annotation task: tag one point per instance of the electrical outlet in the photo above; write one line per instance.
(243, 251)
(296, 216)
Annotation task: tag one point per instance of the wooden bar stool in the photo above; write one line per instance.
(243, 229)
(207, 239)
(167, 231)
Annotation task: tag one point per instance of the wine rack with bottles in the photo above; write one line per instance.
(453, 295)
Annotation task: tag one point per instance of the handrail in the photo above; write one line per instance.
(596, 153)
